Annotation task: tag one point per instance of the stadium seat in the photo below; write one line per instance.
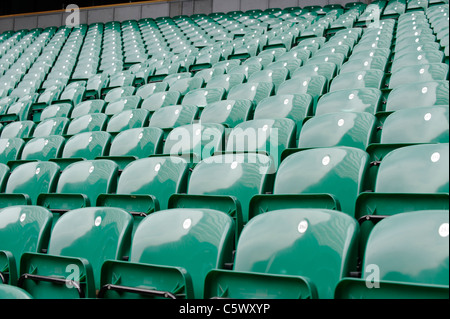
(23, 229)
(228, 112)
(91, 122)
(292, 265)
(71, 267)
(127, 119)
(51, 126)
(79, 185)
(314, 178)
(10, 149)
(171, 255)
(195, 141)
(413, 273)
(350, 100)
(13, 292)
(399, 183)
(353, 129)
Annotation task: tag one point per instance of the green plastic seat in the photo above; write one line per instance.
(146, 185)
(88, 107)
(56, 110)
(395, 266)
(356, 80)
(19, 129)
(71, 267)
(352, 100)
(158, 100)
(420, 94)
(289, 254)
(336, 58)
(253, 91)
(117, 93)
(225, 81)
(185, 85)
(323, 177)
(87, 145)
(72, 95)
(27, 181)
(364, 63)
(127, 119)
(195, 141)
(293, 106)
(13, 292)
(419, 73)
(133, 144)
(415, 58)
(43, 148)
(326, 69)
(227, 112)
(412, 126)
(353, 129)
(10, 149)
(203, 96)
(146, 90)
(79, 185)
(122, 104)
(172, 116)
(400, 187)
(172, 255)
(22, 229)
(87, 123)
(51, 126)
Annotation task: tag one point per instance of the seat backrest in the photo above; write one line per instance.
(396, 245)
(51, 126)
(140, 142)
(417, 125)
(354, 129)
(10, 149)
(176, 237)
(338, 171)
(157, 176)
(173, 116)
(318, 244)
(359, 79)
(293, 106)
(238, 175)
(90, 178)
(88, 107)
(352, 100)
(43, 148)
(4, 174)
(24, 229)
(19, 129)
(420, 94)
(127, 119)
(227, 112)
(87, 145)
(406, 169)
(87, 123)
(32, 179)
(101, 233)
(201, 140)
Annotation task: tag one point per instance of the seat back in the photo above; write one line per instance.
(43, 148)
(354, 129)
(87, 145)
(90, 178)
(101, 233)
(176, 237)
(139, 142)
(404, 170)
(338, 171)
(318, 244)
(396, 245)
(22, 229)
(31, 179)
(239, 175)
(158, 176)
